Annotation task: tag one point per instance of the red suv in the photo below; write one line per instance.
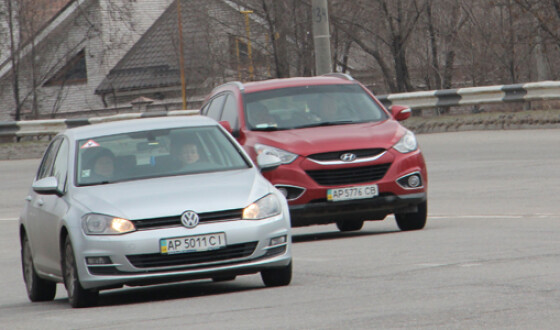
(345, 158)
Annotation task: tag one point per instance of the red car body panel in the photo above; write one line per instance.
(311, 207)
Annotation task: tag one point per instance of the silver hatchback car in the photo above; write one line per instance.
(149, 201)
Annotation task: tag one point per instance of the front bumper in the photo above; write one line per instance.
(376, 208)
(124, 252)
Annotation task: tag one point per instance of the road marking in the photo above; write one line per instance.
(486, 216)
(14, 219)
(496, 216)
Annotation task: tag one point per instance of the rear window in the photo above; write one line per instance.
(155, 153)
(298, 107)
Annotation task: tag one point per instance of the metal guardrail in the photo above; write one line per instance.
(544, 90)
(53, 126)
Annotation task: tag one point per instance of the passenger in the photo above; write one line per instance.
(99, 165)
(190, 158)
(188, 154)
(260, 117)
(327, 110)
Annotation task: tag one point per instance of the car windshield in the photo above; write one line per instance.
(155, 153)
(309, 106)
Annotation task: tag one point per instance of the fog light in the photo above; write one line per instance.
(284, 191)
(290, 192)
(413, 181)
(278, 240)
(98, 261)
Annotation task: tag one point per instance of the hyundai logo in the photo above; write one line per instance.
(348, 157)
(189, 219)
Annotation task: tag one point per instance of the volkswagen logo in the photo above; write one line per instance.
(348, 157)
(189, 219)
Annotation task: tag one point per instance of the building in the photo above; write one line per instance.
(97, 57)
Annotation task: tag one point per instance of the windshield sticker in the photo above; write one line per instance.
(90, 144)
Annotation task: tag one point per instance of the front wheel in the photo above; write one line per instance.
(38, 289)
(349, 225)
(277, 276)
(77, 295)
(415, 220)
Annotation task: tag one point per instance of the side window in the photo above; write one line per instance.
(215, 108)
(48, 159)
(204, 109)
(60, 167)
(230, 113)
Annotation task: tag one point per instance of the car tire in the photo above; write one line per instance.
(277, 276)
(38, 289)
(413, 221)
(223, 278)
(77, 295)
(349, 225)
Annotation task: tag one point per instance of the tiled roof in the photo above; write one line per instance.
(153, 62)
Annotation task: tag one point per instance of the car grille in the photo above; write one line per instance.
(349, 175)
(175, 221)
(361, 153)
(193, 258)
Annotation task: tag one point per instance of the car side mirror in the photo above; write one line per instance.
(268, 162)
(225, 124)
(46, 186)
(400, 112)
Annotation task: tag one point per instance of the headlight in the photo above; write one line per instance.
(407, 143)
(99, 224)
(285, 156)
(266, 207)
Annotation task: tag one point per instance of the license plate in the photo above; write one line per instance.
(196, 243)
(349, 193)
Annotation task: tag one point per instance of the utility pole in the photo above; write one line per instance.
(249, 50)
(181, 56)
(321, 36)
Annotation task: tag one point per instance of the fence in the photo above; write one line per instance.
(545, 90)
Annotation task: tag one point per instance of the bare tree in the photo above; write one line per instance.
(14, 46)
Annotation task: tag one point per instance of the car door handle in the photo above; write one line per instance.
(40, 202)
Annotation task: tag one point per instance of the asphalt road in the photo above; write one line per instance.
(489, 257)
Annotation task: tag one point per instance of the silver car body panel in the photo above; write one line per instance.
(45, 217)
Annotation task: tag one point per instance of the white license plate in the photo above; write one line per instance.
(195, 243)
(349, 193)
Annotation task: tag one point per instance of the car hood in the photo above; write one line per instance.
(306, 141)
(171, 196)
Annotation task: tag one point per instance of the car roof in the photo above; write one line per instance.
(136, 125)
(258, 86)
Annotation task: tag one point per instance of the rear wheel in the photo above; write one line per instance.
(277, 276)
(413, 221)
(38, 289)
(349, 225)
(77, 295)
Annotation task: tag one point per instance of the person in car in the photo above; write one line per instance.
(99, 164)
(326, 109)
(190, 158)
(188, 154)
(259, 116)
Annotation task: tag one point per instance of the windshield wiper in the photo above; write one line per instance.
(327, 123)
(266, 128)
